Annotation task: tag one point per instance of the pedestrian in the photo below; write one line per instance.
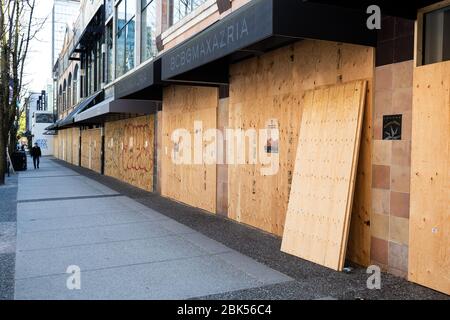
(36, 154)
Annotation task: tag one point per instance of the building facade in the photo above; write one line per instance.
(38, 118)
(157, 82)
(64, 12)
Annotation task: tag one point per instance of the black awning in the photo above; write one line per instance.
(50, 133)
(70, 119)
(399, 8)
(142, 83)
(260, 26)
(53, 126)
(112, 110)
(94, 27)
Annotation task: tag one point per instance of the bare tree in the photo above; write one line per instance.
(16, 32)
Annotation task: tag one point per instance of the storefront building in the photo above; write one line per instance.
(361, 115)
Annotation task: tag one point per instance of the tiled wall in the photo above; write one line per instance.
(395, 41)
(391, 169)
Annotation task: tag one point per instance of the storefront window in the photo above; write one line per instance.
(148, 43)
(126, 25)
(436, 36)
(178, 9)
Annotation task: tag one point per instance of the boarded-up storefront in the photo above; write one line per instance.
(189, 110)
(63, 146)
(267, 91)
(129, 151)
(56, 146)
(91, 148)
(429, 241)
(75, 158)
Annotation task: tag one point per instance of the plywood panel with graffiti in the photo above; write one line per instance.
(91, 147)
(129, 151)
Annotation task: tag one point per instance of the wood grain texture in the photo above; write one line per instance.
(321, 199)
(75, 158)
(429, 240)
(129, 151)
(91, 146)
(56, 146)
(271, 87)
(193, 184)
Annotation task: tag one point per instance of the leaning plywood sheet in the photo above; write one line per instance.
(320, 202)
(429, 238)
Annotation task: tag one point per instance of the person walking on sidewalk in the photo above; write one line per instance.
(36, 155)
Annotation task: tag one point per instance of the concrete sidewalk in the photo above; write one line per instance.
(124, 249)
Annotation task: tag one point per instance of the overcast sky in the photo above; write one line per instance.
(38, 66)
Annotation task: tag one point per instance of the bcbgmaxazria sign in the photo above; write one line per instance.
(248, 25)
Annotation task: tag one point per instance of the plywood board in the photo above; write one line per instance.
(56, 146)
(62, 150)
(429, 234)
(91, 146)
(68, 146)
(75, 132)
(191, 183)
(129, 151)
(321, 199)
(271, 87)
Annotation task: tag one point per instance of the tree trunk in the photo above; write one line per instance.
(2, 160)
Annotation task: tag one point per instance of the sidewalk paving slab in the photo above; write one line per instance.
(124, 249)
(311, 281)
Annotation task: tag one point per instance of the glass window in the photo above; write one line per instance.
(109, 8)
(436, 36)
(148, 42)
(75, 86)
(99, 78)
(92, 72)
(125, 37)
(88, 72)
(129, 62)
(121, 13)
(109, 53)
(120, 53)
(131, 9)
(178, 9)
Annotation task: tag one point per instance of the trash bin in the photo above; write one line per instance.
(19, 160)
